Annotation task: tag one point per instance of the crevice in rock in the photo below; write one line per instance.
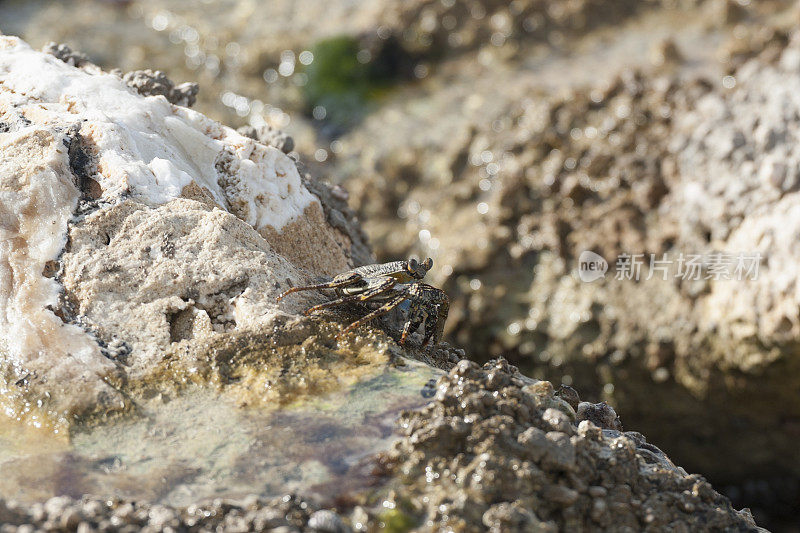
(68, 311)
(50, 269)
(67, 307)
(218, 306)
(83, 165)
(116, 349)
(181, 324)
(226, 167)
(12, 121)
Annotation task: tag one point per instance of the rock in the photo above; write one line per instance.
(216, 515)
(427, 28)
(569, 395)
(270, 136)
(727, 11)
(144, 82)
(137, 225)
(10, 513)
(55, 507)
(514, 517)
(558, 420)
(529, 476)
(638, 163)
(161, 517)
(560, 495)
(665, 53)
(153, 243)
(65, 54)
(170, 278)
(600, 414)
(149, 83)
(325, 521)
(70, 520)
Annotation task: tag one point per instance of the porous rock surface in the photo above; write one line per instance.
(497, 449)
(62, 513)
(646, 163)
(429, 27)
(131, 224)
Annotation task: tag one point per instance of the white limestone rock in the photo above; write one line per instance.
(130, 224)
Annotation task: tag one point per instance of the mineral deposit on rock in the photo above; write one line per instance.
(130, 224)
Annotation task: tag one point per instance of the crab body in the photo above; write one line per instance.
(383, 287)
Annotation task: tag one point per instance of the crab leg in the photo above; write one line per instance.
(435, 327)
(385, 285)
(337, 282)
(415, 319)
(382, 310)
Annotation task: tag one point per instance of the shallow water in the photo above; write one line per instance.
(200, 445)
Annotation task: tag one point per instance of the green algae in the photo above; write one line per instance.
(395, 521)
(343, 79)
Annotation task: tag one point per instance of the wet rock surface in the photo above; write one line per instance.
(92, 514)
(307, 431)
(493, 449)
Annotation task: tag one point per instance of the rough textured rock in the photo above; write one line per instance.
(66, 54)
(186, 269)
(144, 82)
(654, 161)
(289, 512)
(496, 449)
(149, 83)
(261, 40)
(270, 136)
(650, 162)
(165, 239)
(131, 224)
(431, 27)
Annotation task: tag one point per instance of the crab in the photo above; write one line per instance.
(381, 288)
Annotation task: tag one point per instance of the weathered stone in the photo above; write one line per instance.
(135, 225)
(534, 470)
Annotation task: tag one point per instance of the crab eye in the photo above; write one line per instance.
(412, 264)
(427, 264)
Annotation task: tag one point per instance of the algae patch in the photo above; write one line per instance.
(345, 76)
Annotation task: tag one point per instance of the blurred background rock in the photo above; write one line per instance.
(503, 139)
